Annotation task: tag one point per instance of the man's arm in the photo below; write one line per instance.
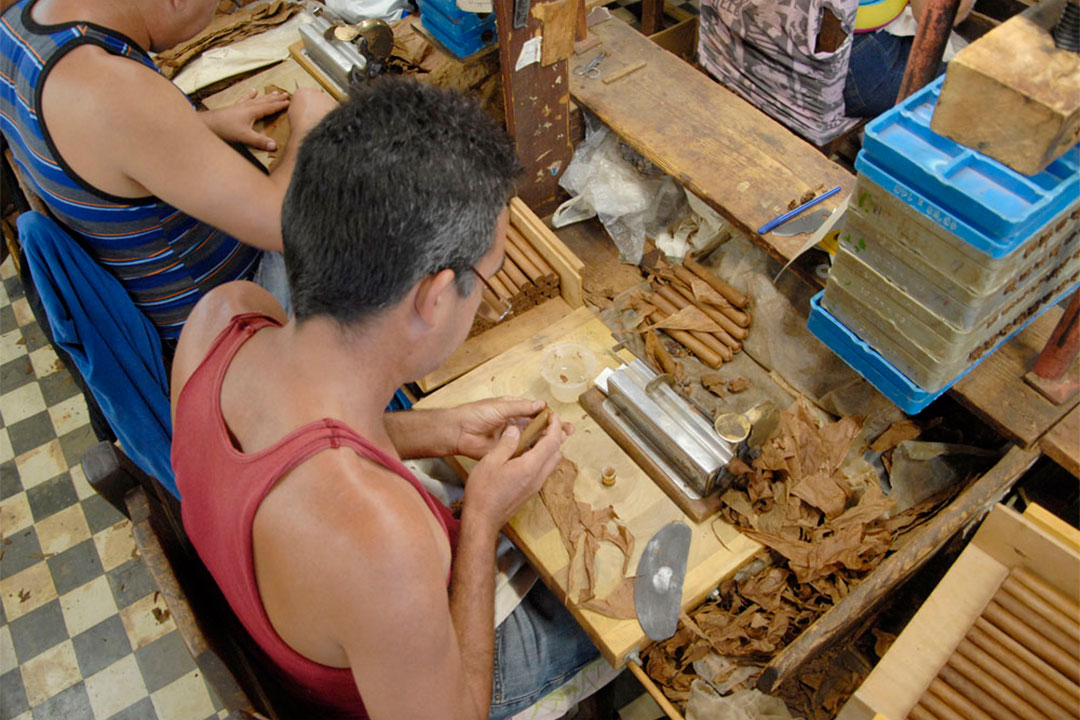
(471, 429)
(130, 132)
(411, 653)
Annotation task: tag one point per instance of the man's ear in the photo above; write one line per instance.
(432, 296)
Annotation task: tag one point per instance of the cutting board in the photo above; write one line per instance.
(716, 549)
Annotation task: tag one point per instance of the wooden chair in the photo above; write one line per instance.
(217, 641)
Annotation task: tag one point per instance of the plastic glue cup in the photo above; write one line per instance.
(568, 368)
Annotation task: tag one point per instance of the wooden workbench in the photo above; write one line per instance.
(716, 551)
(744, 164)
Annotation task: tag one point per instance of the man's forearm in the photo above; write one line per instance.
(421, 433)
(472, 608)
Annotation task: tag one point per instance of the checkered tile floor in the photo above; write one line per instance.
(82, 630)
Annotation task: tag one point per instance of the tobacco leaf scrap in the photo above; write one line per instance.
(705, 293)
(714, 383)
(738, 385)
(688, 318)
(582, 528)
(822, 536)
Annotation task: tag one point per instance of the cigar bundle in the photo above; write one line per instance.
(525, 280)
(700, 311)
(1019, 661)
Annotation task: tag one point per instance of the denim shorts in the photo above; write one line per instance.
(875, 70)
(538, 648)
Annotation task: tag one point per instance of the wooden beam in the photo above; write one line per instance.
(536, 98)
(1062, 443)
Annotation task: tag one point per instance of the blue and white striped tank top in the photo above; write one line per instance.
(166, 259)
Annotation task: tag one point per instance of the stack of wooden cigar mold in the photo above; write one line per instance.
(526, 278)
(697, 309)
(1019, 661)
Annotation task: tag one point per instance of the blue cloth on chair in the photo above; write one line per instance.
(115, 346)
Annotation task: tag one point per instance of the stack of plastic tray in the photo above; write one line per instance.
(944, 255)
(463, 33)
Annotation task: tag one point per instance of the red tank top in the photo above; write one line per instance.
(221, 488)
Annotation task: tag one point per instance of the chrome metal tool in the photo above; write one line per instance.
(347, 53)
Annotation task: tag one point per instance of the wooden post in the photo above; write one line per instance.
(537, 95)
(1050, 375)
(929, 45)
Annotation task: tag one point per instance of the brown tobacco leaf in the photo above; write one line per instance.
(705, 293)
(714, 383)
(619, 603)
(689, 318)
(897, 433)
(659, 355)
(738, 385)
(582, 528)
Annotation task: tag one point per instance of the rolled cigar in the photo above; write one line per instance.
(1013, 680)
(682, 297)
(1036, 622)
(515, 274)
(1041, 588)
(1041, 646)
(668, 308)
(1070, 626)
(1025, 663)
(949, 697)
(735, 297)
(704, 353)
(976, 695)
(737, 316)
(920, 713)
(525, 246)
(994, 689)
(936, 707)
(532, 431)
(654, 346)
(501, 290)
(522, 261)
(510, 285)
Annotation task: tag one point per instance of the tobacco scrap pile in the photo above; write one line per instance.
(824, 533)
(226, 29)
(582, 529)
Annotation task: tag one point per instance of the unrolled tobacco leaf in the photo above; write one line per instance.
(705, 293)
(688, 318)
(618, 604)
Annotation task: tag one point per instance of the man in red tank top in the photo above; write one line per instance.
(293, 489)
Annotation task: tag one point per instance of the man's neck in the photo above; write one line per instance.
(123, 17)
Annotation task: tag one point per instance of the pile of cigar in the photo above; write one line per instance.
(672, 291)
(1019, 661)
(525, 279)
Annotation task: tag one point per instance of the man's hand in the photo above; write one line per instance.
(236, 123)
(308, 107)
(480, 423)
(500, 483)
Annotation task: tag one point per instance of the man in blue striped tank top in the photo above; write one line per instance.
(147, 185)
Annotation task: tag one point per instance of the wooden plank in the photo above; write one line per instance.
(537, 103)
(1051, 523)
(1004, 541)
(679, 39)
(1062, 443)
(970, 504)
(740, 161)
(716, 549)
(1024, 112)
(558, 19)
(996, 392)
(481, 348)
(562, 260)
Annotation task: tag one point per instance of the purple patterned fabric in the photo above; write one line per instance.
(764, 51)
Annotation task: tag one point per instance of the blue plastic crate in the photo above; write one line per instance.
(458, 38)
(989, 205)
(869, 363)
(462, 18)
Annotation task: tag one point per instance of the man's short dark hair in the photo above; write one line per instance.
(401, 181)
